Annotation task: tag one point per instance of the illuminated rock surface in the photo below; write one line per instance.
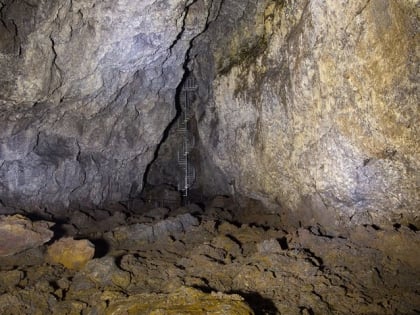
(314, 108)
(72, 254)
(183, 301)
(365, 270)
(18, 234)
(86, 92)
(310, 106)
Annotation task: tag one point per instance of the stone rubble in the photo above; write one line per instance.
(183, 258)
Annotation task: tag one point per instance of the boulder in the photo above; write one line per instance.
(140, 233)
(72, 254)
(18, 233)
(105, 272)
(183, 301)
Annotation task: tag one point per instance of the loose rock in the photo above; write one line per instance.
(144, 233)
(104, 272)
(18, 233)
(72, 254)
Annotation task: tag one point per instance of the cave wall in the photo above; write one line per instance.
(86, 92)
(308, 106)
(314, 109)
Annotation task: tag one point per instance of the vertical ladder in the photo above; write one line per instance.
(188, 141)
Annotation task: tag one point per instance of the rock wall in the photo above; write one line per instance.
(315, 109)
(309, 106)
(86, 92)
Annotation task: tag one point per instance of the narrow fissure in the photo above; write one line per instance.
(167, 129)
(178, 93)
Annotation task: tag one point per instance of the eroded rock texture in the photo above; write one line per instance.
(315, 108)
(310, 106)
(19, 234)
(364, 270)
(86, 92)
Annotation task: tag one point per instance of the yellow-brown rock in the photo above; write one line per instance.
(72, 254)
(315, 109)
(182, 302)
(18, 233)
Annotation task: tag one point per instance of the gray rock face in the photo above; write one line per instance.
(315, 109)
(87, 89)
(310, 106)
(143, 233)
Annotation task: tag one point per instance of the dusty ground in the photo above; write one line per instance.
(141, 258)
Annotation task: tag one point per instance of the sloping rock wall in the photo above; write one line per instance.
(309, 106)
(86, 92)
(315, 109)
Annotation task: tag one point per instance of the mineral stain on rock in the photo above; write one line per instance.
(182, 301)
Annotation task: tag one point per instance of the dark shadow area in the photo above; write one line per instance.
(234, 239)
(261, 226)
(374, 226)
(283, 243)
(168, 128)
(318, 259)
(259, 304)
(412, 227)
(204, 288)
(101, 247)
(396, 226)
(58, 230)
(35, 216)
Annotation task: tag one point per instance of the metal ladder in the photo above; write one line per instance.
(188, 141)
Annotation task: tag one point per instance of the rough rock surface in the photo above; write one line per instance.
(365, 270)
(310, 106)
(140, 233)
(105, 272)
(86, 92)
(183, 301)
(72, 254)
(314, 107)
(18, 234)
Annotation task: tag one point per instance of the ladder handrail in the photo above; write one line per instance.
(190, 86)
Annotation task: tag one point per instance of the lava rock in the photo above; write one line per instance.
(18, 233)
(313, 112)
(269, 246)
(183, 301)
(157, 213)
(72, 254)
(9, 279)
(87, 90)
(144, 233)
(104, 272)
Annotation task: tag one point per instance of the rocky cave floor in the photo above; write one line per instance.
(173, 261)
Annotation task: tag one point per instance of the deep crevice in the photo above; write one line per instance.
(168, 128)
(412, 227)
(178, 90)
(258, 303)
